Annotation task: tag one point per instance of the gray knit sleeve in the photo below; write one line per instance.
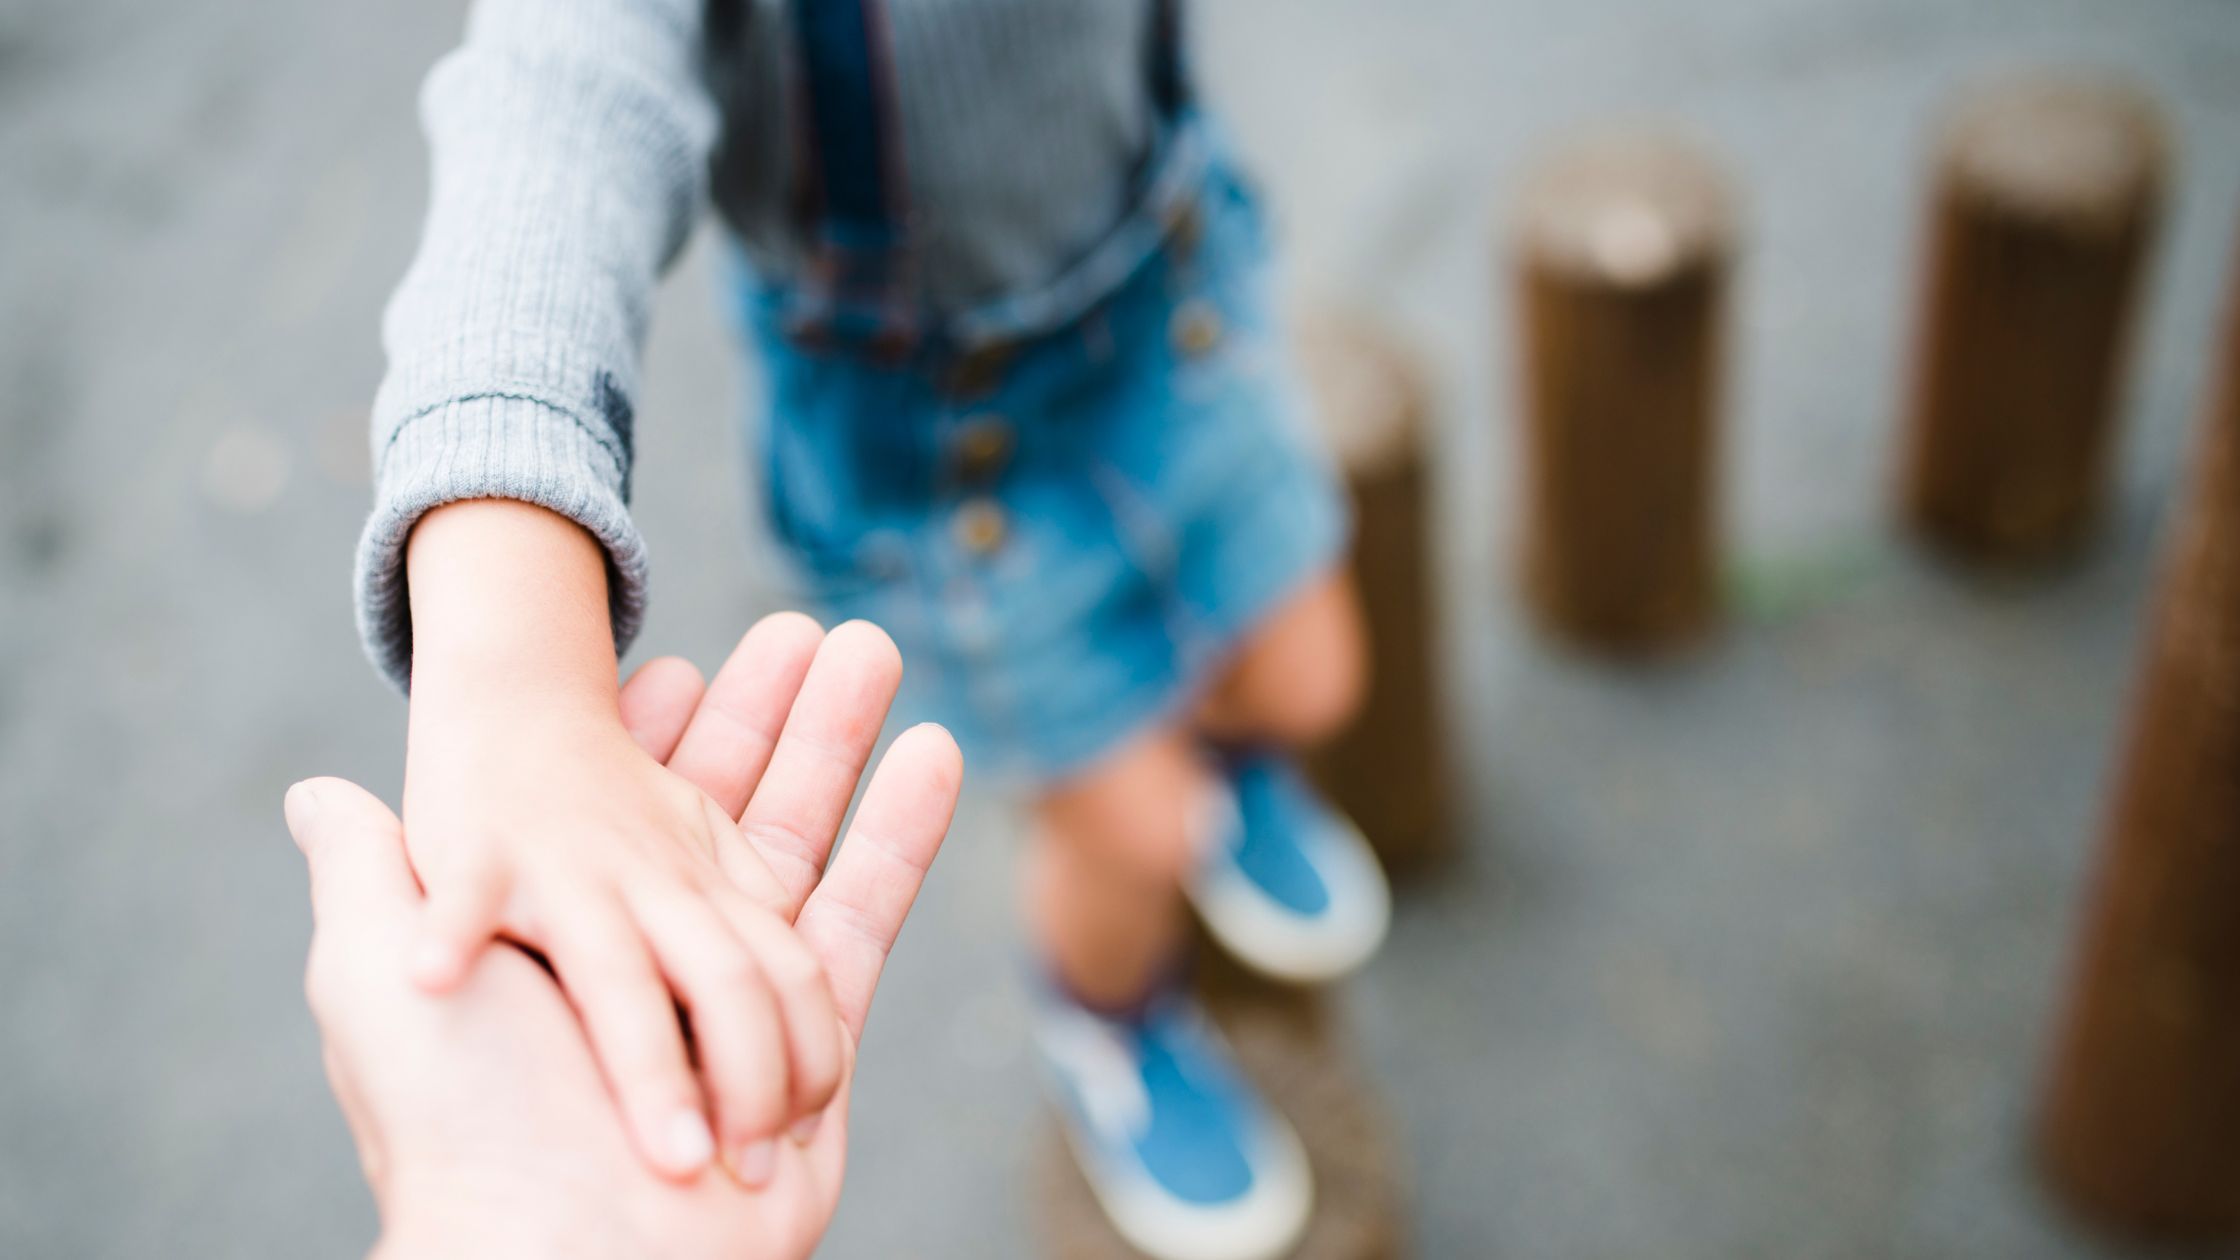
(568, 143)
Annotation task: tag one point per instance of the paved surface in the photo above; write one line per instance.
(1750, 955)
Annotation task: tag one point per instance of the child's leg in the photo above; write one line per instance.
(1105, 868)
(1182, 1151)
(1300, 677)
(1113, 845)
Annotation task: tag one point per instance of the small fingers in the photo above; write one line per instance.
(627, 1013)
(804, 997)
(850, 922)
(736, 1023)
(812, 775)
(462, 915)
(658, 701)
(727, 745)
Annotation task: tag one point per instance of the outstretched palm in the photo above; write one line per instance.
(779, 740)
(490, 1095)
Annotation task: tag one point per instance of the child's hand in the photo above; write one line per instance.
(530, 810)
(481, 1118)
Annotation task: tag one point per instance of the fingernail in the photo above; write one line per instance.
(805, 1129)
(754, 1162)
(301, 804)
(688, 1141)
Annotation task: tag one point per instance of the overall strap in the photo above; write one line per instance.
(851, 193)
(1170, 71)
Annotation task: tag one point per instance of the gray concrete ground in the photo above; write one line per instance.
(1749, 956)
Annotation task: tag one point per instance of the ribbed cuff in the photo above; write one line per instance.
(492, 446)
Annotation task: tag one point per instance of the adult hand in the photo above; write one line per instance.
(480, 1115)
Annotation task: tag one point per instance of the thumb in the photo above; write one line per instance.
(355, 848)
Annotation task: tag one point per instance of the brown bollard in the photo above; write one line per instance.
(2141, 1120)
(1292, 1043)
(1623, 256)
(1387, 769)
(2048, 192)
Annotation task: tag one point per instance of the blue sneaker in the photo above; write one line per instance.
(1186, 1160)
(1285, 883)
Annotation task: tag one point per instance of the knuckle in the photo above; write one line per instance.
(819, 1096)
(606, 977)
(734, 971)
(819, 1079)
(651, 1070)
(798, 976)
(714, 821)
(776, 836)
(754, 1103)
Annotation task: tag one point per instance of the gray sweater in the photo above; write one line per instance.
(571, 145)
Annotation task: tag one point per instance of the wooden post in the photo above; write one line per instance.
(1622, 268)
(2048, 192)
(2141, 1119)
(1387, 770)
(1292, 1043)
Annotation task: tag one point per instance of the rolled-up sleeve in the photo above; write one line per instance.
(568, 148)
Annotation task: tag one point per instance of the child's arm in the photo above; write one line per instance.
(568, 143)
(530, 809)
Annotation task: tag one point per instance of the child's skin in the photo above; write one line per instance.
(531, 811)
(482, 1124)
(1114, 843)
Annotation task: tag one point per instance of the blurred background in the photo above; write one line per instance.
(1751, 953)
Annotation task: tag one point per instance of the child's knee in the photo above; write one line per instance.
(1133, 816)
(1303, 679)
(1312, 704)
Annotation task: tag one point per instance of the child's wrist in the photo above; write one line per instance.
(509, 602)
(486, 692)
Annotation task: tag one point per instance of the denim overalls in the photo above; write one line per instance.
(1067, 505)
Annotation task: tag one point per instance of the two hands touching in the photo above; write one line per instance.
(670, 853)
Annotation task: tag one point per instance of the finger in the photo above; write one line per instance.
(354, 847)
(728, 742)
(632, 1026)
(749, 878)
(851, 920)
(797, 808)
(658, 701)
(736, 1023)
(465, 906)
(811, 1022)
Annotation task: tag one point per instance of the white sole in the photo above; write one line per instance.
(1279, 944)
(1266, 1225)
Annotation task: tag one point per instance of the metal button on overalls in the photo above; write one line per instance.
(1185, 226)
(980, 526)
(981, 448)
(1196, 327)
(976, 373)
